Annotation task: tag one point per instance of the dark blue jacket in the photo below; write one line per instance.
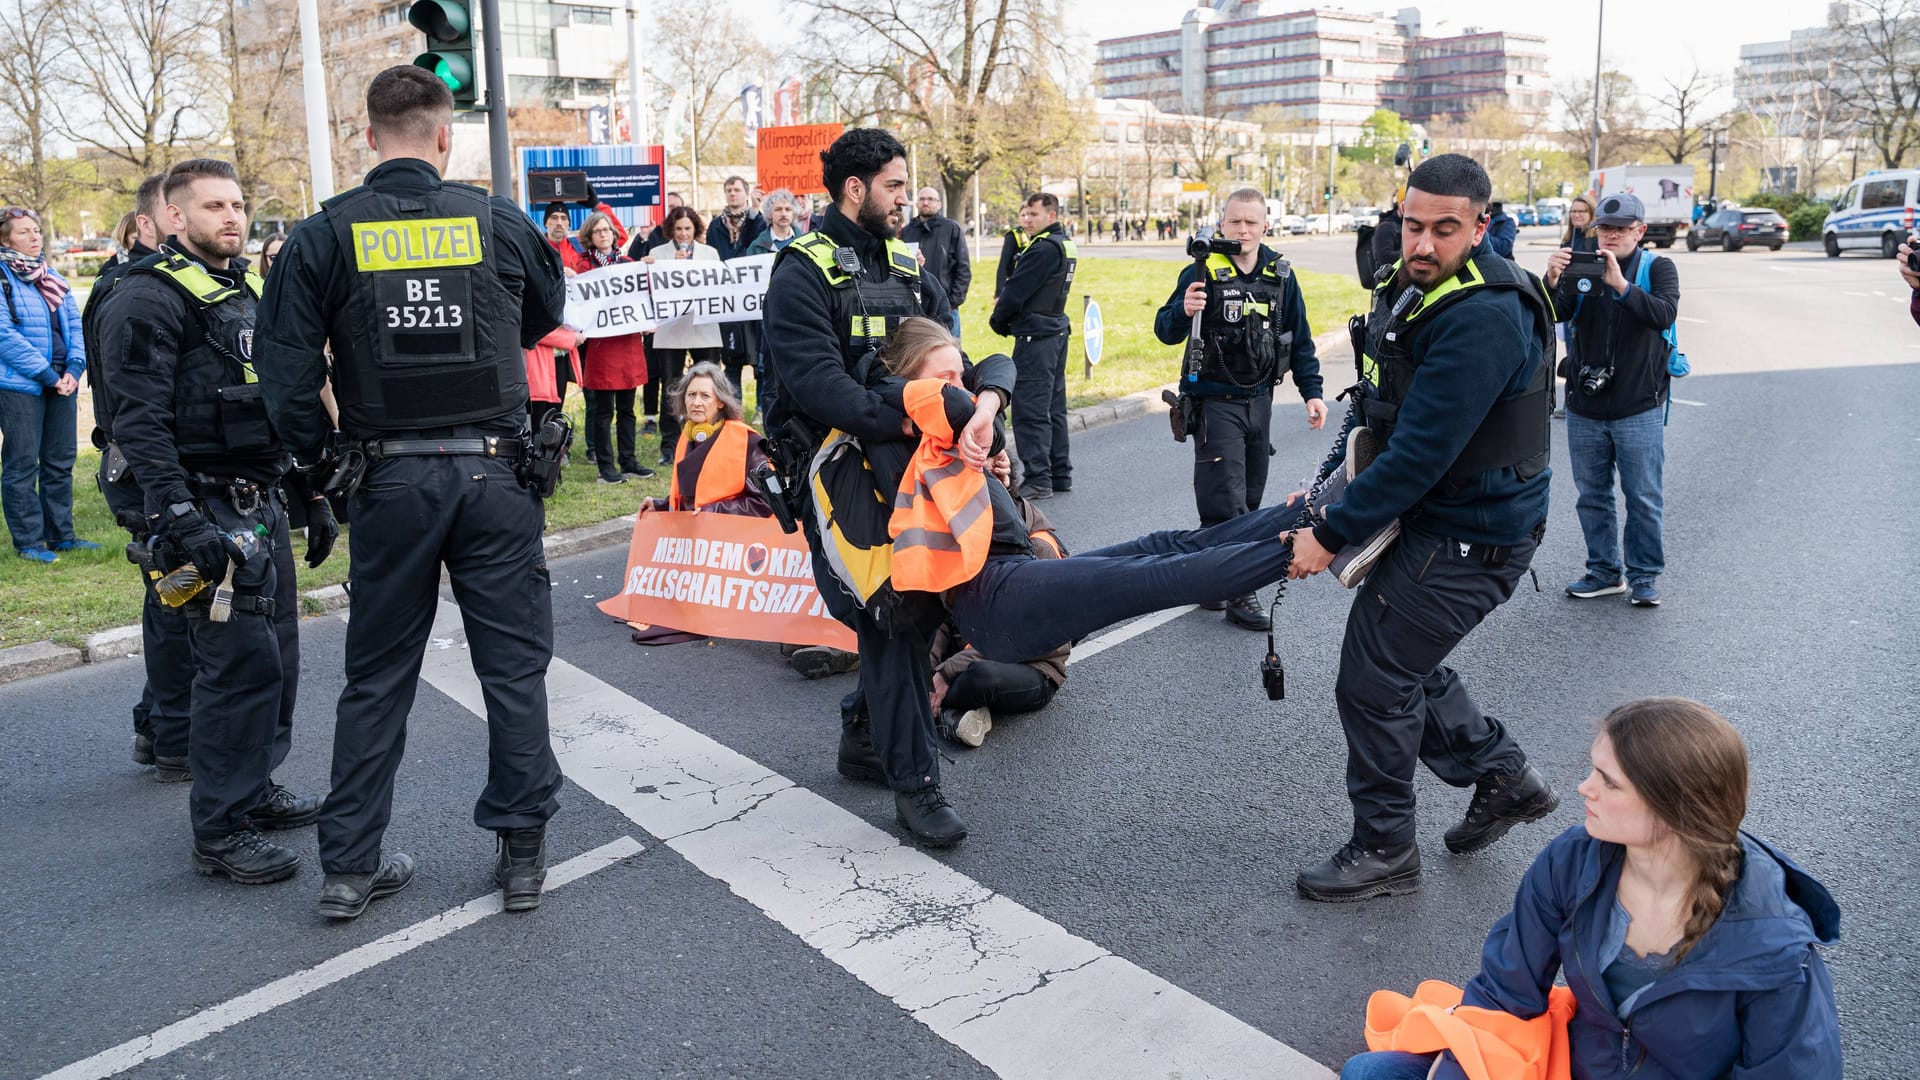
(1752, 1001)
(1502, 231)
(1476, 351)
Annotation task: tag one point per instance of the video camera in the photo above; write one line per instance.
(1198, 249)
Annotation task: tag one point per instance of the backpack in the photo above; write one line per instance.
(1677, 365)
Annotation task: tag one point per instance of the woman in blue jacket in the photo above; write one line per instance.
(41, 361)
(1690, 946)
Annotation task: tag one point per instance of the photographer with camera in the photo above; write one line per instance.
(1252, 329)
(1909, 263)
(1617, 306)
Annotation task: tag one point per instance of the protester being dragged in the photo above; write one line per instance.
(1691, 948)
(969, 690)
(42, 357)
(612, 368)
(681, 343)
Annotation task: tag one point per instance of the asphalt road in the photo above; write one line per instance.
(1158, 808)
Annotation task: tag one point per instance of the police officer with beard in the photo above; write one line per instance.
(1460, 341)
(178, 337)
(836, 294)
(427, 292)
(1253, 323)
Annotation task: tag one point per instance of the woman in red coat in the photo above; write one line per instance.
(611, 366)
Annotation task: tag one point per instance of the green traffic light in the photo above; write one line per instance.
(452, 68)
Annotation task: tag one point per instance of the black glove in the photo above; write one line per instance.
(999, 328)
(591, 199)
(209, 549)
(322, 531)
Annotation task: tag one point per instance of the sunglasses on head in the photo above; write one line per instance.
(12, 212)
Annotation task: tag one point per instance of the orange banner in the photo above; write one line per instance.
(724, 576)
(789, 157)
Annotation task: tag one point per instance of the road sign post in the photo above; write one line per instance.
(1092, 333)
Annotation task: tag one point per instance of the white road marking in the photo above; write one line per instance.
(1695, 404)
(1097, 645)
(1017, 992)
(1689, 318)
(218, 1018)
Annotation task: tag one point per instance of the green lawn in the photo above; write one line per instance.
(84, 593)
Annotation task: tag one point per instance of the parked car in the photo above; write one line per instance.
(1291, 224)
(1343, 222)
(1525, 215)
(1365, 215)
(1736, 227)
(1876, 213)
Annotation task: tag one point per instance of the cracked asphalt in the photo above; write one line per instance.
(1158, 808)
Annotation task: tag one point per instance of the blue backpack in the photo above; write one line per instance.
(1677, 365)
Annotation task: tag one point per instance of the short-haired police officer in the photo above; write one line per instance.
(178, 337)
(1031, 307)
(427, 292)
(1254, 325)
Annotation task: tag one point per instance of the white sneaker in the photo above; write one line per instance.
(1352, 562)
(973, 726)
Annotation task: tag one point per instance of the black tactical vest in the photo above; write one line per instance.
(430, 335)
(1241, 323)
(1052, 297)
(217, 409)
(865, 312)
(1517, 431)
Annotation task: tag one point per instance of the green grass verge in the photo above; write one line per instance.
(87, 592)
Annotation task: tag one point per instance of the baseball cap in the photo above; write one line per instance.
(1622, 209)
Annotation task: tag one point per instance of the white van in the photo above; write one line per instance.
(1876, 213)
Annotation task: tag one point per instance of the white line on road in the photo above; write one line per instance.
(293, 987)
(1695, 404)
(1017, 992)
(1689, 318)
(1095, 646)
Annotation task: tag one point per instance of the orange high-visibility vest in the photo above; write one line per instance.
(942, 521)
(723, 472)
(1488, 1044)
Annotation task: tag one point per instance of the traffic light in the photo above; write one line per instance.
(448, 25)
(1330, 190)
(1426, 147)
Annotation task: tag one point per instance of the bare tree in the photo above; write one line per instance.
(1202, 140)
(264, 109)
(34, 51)
(142, 96)
(1621, 116)
(1801, 105)
(1680, 121)
(1878, 55)
(943, 69)
(708, 55)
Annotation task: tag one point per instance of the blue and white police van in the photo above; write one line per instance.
(1876, 213)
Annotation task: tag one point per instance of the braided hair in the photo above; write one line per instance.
(1690, 766)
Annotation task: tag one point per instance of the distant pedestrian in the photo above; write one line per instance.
(1577, 233)
(680, 344)
(730, 233)
(1909, 274)
(1502, 230)
(613, 367)
(943, 249)
(42, 356)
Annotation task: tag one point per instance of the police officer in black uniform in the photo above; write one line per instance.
(1459, 344)
(177, 336)
(1032, 309)
(160, 716)
(1253, 324)
(836, 294)
(427, 292)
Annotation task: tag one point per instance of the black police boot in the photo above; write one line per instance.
(1246, 611)
(1499, 803)
(820, 661)
(1362, 873)
(858, 759)
(171, 770)
(285, 810)
(246, 856)
(522, 866)
(345, 896)
(142, 749)
(927, 816)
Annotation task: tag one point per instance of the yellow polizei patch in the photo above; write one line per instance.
(416, 244)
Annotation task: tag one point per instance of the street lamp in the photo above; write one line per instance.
(1716, 140)
(1532, 169)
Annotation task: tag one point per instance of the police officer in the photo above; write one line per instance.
(1032, 309)
(1012, 243)
(1253, 324)
(177, 335)
(1460, 341)
(836, 294)
(160, 716)
(426, 292)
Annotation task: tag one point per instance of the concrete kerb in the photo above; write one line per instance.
(44, 657)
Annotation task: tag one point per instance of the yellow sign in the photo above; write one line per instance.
(1193, 185)
(422, 244)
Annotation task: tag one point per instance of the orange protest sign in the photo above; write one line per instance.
(789, 157)
(724, 575)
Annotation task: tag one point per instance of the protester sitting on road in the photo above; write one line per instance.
(612, 367)
(1906, 254)
(1577, 233)
(42, 356)
(1019, 606)
(1690, 946)
(681, 343)
(969, 690)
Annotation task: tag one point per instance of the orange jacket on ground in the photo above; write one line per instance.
(942, 523)
(1488, 1044)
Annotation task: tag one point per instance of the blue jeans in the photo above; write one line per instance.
(953, 323)
(1635, 447)
(36, 467)
(1387, 1065)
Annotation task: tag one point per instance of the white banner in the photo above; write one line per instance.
(632, 297)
